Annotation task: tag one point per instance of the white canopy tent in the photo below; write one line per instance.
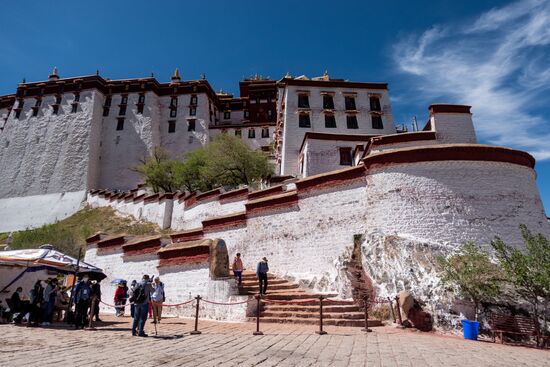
(24, 267)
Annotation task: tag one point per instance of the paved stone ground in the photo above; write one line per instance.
(232, 344)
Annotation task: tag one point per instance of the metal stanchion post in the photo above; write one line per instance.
(391, 309)
(321, 331)
(258, 332)
(196, 331)
(366, 301)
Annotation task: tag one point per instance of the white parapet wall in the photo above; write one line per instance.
(20, 213)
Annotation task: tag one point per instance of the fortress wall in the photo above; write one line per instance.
(123, 149)
(449, 202)
(303, 239)
(182, 282)
(47, 153)
(33, 211)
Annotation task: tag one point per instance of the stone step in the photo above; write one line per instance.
(314, 315)
(312, 308)
(332, 322)
(270, 287)
(285, 295)
(255, 282)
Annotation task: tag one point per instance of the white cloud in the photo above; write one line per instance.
(499, 63)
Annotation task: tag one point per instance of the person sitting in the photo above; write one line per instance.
(17, 307)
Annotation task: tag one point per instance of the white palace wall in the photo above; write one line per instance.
(408, 213)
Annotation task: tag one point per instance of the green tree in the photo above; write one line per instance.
(471, 272)
(230, 163)
(158, 171)
(227, 162)
(529, 270)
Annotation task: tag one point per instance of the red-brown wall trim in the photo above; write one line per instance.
(457, 152)
(139, 198)
(332, 83)
(111, 242)
(209, 194)
(272, 202)
(449, 108)
(189, 255)
(234, 195)
(227, 221)
(190, 235)
(138, 247)
(185, 196)
(330, 179)
(265, 192)
(150, 198)
(403, 138)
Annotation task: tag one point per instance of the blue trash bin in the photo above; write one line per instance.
(471, 329)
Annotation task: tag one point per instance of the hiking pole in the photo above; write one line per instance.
(321, 331)
(196, 331)
(366, 301)
(258, 332)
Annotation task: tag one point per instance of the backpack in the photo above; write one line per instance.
(84, 293)
(138, 296)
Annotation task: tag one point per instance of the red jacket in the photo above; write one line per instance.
(119, 294)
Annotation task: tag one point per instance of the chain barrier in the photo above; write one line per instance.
(259, 299)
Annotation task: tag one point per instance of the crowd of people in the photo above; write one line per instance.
(47, 301)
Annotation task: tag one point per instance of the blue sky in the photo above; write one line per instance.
(490, 54)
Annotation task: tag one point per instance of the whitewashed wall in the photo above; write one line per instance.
(324, 155)
(450, 202)
(181, 282)
(47, 153)
(293, 135)
(454, 128)
(20, 213)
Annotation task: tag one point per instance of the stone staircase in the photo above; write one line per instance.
(306, 309)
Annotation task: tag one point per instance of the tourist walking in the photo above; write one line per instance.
(157, 298)
(130, 293)
(261, 272)
(82, 302)
(141, 297)
(238, 268)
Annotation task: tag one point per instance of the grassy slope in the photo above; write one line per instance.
(70, 233)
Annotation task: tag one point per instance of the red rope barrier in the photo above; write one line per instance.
(288, 302)
(226, 304)
(164, 304)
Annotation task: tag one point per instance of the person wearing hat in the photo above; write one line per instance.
(261, 272)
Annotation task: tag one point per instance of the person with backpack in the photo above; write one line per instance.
(140, 298)
(157, 298)
(50, 294)
(130, 293)
(261, 272)
(82, 302)
(238, 269)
